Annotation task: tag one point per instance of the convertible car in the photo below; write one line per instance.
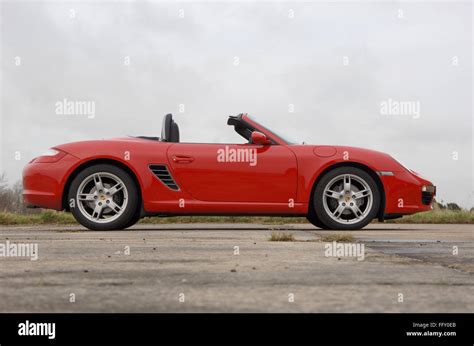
(111, 184)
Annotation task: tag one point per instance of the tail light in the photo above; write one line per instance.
(51, 156)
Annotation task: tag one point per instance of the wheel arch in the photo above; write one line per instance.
(89, 163)
(367, 169)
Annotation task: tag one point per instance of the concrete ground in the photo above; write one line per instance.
(235, 268)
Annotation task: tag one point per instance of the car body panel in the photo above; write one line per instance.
(265, 174)
(43, 183)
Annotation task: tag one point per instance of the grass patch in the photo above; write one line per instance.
(47, 217)
(438, 217)
(281, 236)
(50, 217)
(340, 238)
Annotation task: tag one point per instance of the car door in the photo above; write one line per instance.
(235, 172)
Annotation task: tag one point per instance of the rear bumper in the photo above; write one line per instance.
(43, 183)
(407, 193)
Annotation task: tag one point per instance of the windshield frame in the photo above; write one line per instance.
(276, 137)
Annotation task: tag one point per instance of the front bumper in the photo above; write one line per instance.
(428, 192)
(407, 193)
(43, 183)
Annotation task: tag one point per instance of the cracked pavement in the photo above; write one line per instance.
(196, 268)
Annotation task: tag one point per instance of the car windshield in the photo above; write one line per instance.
(278, 133)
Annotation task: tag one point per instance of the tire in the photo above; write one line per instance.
(134, 220)
(104, 197)
(313, 218)
(346, 198)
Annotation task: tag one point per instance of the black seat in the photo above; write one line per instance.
(169, 130)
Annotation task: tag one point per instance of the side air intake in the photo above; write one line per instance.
(162, 173)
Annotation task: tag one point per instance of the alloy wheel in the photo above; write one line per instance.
(102, 197)
(347, 199)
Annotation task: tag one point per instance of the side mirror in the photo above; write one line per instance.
(259, 138)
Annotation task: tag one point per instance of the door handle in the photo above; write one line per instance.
(182, 158)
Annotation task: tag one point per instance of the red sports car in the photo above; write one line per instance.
(111, 184)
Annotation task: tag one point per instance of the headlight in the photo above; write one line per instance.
(50, 156)
(428, 188)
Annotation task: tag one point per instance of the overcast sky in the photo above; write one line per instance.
(319, 72)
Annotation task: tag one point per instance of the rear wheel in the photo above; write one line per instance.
(104, 197)
(346, 198)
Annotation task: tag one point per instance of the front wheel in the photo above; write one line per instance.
(346, 198)
(314, 219)
(104, 197)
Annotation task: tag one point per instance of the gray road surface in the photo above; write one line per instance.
(195, 268)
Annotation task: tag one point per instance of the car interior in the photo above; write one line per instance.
(170, 129)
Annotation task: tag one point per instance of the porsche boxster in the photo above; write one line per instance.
(111, 184)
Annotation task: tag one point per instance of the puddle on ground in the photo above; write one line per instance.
(418, 250)
(401, 241)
